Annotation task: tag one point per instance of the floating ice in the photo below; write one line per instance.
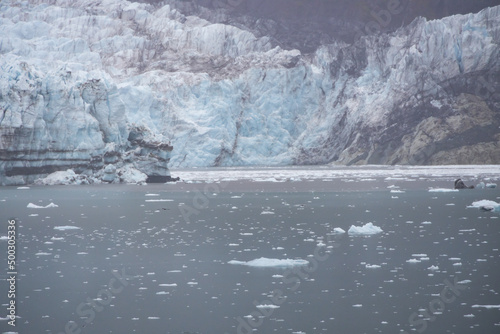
(23, 188)
(265, 212)
(3, 237)
(486, 205)
(413, 261)
(433, 268)
(265, 262)
(34, 206)
(367, 229)
(267, 306)
(168, 284)
(64, 228)
(338, 230)
(159, 200)
(442, 190)
(486, 306)
(372, 266)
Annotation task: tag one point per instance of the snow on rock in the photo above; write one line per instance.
(266, 262)
(367, 229)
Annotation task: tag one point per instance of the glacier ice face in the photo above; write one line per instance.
(83, 86)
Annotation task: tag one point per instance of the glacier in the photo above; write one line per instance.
(108, 89)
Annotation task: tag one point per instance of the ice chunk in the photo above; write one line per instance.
(338, 230)
(486, 205)
(442, 190)
(413, 261)
(486, 306)
(34, 206)
(266, 262)
(367, 229)
(372, 266)
(433, 268)
(267, 306)
(64, 228)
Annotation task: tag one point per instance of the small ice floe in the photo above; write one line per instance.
(397, 191)
(34, 206)
(159, 200)
(151, 194)
(433, 268)
(486, 205)
(465, 281)
(43, 254)
(168, 284)
(338, 230)
(372, 266)
(426, 223)
(265, 262)
(267, 212)
(357, 305)
(23, 188)
(64, 228)
(153, 318)
(267, 306)
(163, 293)
(82, 253)
(469, 315)
(367, 229)
(488, 185)
(442, 190)
(3, 237)
(413, 261)
(486, 306)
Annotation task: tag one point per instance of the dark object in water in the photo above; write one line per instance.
(161, 179)
(459, 184)
(486, 208)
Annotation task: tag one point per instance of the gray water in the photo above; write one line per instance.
(173, 254)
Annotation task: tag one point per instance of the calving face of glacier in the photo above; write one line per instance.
(110, 87)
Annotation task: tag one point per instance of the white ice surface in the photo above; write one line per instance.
(34, 206)
(266, 262)
(367, 229)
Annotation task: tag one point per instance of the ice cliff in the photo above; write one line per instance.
(108, 88)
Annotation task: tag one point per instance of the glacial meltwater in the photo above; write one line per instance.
(263, 250)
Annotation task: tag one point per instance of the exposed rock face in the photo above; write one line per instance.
(87, 85)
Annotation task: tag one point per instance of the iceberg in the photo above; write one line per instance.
(266, 262)
(67, 227)
(367, 229)
(486, 205)
(34, 206)
(442, 190)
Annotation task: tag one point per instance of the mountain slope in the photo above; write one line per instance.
(84, 86)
